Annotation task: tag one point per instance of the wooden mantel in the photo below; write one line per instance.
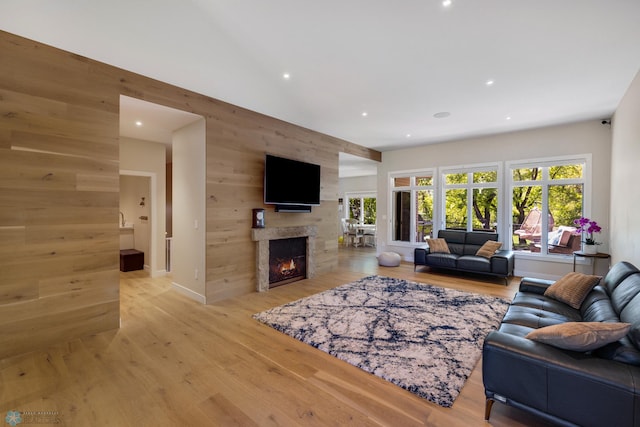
(262, 237)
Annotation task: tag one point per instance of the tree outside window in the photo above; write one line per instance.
(471, 200)
(363, 209)
(545, 201)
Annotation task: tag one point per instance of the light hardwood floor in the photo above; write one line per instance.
(175, 362)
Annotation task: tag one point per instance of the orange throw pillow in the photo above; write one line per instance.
(572, 288)
(489, 248)
(438, 246)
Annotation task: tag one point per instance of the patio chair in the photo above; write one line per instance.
(531, 227)
(564, 240)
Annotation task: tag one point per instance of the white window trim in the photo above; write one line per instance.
(505, 190)
(357, 195)
(545, 162)
(480, 167)
(412, 173)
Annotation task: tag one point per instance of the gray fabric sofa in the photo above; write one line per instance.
(599, 387)
(463, 246)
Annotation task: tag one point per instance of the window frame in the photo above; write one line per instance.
(504, 186)
(470, 186)
(358, 195)
(412, 188)
(545, 182)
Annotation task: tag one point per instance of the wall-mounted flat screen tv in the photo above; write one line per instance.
(291, 182)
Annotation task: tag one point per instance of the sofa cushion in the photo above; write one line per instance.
(453, 236)
(546, 304)
(442, 260)
(597, 307)
(580, 336)
(620, 351)
(625, 292)
(478, 238)
(517, 330)
(631, 312)
(536, 318)
(438, 246)
(489, 248)
(572, 288)
(620, 271)
(634, 335)
(455, 240)
(474, 263)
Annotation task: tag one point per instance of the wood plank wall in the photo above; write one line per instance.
(58, 197)
(59, 185)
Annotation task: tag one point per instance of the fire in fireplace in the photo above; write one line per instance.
(287, 261)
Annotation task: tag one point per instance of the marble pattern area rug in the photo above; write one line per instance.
(423, 338)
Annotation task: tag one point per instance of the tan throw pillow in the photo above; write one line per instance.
(580, 336)
(489, 248)
(572, 288)
(438, 246)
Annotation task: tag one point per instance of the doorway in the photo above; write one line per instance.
(167, 146)
(137, 211)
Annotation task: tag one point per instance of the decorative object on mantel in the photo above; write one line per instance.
(420, 337)
(258, 218)
(585, 225)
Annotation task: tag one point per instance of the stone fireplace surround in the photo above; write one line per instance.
(262, 237)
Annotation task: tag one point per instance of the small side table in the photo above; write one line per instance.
(596, 256)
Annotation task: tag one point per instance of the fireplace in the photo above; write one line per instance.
(287, 261)
(263, 238)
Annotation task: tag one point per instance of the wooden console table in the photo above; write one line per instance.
(596, 256)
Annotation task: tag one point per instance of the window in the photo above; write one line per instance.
(412, 198)
(546, 197)
(477, 197)
(362, 207)
(471, 198)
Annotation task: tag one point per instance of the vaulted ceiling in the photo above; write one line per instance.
(378, 73)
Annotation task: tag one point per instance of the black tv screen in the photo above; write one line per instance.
(291, 182)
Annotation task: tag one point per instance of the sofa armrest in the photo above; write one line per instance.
(571, 386)
(502, 263)
(536, 286)
(420, 256)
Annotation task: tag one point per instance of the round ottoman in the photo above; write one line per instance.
(389, 259)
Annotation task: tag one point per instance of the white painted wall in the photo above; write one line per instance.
(146, 158)
(189, 181)
(625, 196)
(578, 138)
(357, 184)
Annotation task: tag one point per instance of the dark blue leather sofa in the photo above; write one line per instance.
(600, 387)
(463, 246)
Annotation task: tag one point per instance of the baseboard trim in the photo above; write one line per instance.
(189, 293)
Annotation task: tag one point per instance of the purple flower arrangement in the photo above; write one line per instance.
(585, 225)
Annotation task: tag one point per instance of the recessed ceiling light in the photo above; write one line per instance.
(508, 118)
(442, 115)
(286, 76)
(365, 114)
(489, 82)
(408, 135)
(446, 3)
(138, 123)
